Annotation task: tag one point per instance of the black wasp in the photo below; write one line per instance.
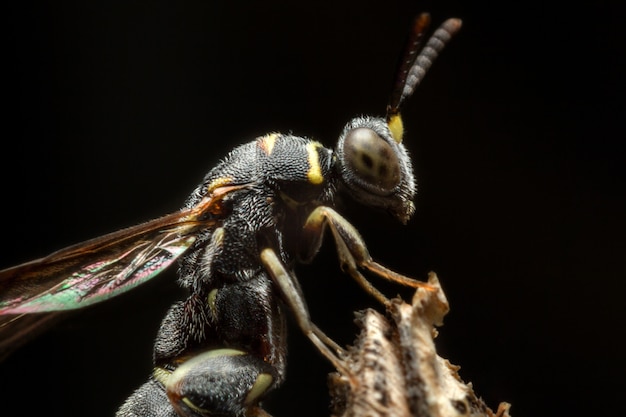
(258, 212)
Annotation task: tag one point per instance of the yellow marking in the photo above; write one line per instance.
(161, 375)
(315, 170)
(261, 384)
(217, 183)
(396, 127)
(218, 237)
(267, 142)
(182, 370)
(219, 352)
(211, 302)
(172, 380)
(194, 407)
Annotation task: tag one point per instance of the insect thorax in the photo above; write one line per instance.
(286, 177)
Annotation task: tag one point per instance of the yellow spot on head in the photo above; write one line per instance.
(396, 127)
(267, 142)
(315, 170)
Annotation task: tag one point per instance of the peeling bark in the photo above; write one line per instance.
(393, 368)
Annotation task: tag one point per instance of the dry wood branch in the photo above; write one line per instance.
(394, 369)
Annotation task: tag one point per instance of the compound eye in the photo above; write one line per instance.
(371, 160)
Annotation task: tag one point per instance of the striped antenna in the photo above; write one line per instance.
(415, 63)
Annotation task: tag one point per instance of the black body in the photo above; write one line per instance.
(285, 178)
(263, 208)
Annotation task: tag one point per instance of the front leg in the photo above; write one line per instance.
(290, 290)
(351, 250)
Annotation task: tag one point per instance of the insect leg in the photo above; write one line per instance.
(294, 299)
(351, 250)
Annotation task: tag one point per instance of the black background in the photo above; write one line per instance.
(115, 110)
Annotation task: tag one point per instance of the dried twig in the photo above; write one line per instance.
(393, 368)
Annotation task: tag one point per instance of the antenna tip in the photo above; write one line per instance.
(452, 25)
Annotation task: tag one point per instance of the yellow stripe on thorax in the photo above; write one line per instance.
(267, 142)
(217, 183)
(315, 170)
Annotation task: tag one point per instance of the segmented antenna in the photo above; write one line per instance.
(415, 63)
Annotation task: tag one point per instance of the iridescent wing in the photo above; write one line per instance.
(106, 266)
(93, 271)
(98, 269)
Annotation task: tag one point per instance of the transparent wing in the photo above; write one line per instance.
(106, 266)
(97, 269)
(81, 275)
(92, 271)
